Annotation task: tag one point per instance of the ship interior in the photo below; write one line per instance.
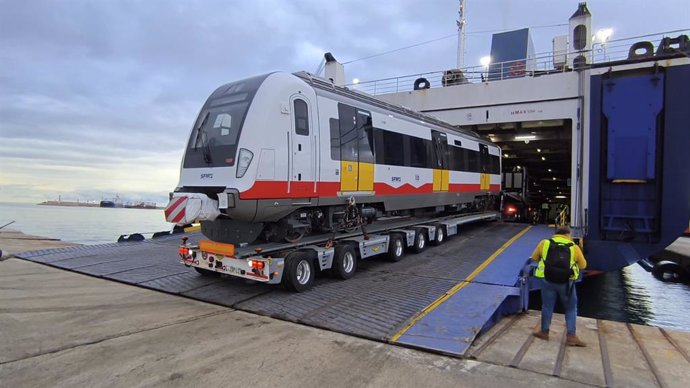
(537, 159)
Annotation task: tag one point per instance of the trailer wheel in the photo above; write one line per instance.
(299, 272)
(344, 262)
(419, 241)
(207, 272)
(440, 235)
(396, 247)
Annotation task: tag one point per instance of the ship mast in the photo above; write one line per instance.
(461, 34)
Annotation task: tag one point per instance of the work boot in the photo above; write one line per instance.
(572, 340)
(541, 334)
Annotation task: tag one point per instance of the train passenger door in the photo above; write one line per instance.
(302, 163)
(441, 162)
(484, 167)
(356, 149)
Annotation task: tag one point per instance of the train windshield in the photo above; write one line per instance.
(216, 132)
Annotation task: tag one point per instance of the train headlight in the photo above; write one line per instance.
(243, 162)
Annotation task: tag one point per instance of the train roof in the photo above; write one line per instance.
(323, 84)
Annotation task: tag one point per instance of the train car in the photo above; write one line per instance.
(281, 155)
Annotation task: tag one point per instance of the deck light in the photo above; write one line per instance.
(603, 35)
(525, 137)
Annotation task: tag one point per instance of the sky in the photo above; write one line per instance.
(97, 98)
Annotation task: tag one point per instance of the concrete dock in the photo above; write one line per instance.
(60, 328)
(13, 241)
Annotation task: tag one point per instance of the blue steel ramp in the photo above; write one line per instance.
(451, 323)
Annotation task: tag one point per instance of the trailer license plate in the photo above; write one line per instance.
(233, 270)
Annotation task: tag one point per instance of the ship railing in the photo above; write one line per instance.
(539, 65)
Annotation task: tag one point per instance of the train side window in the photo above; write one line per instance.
(484, 160)
(472, 161)
(430, 157)
(335, 138)
(349, 151)
(393, 149)
(366, 137)
(378, 145)
(456, 158)
(418, 155)
(301, 117)
(495, 165)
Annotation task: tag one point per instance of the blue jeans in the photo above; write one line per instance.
(549, 292)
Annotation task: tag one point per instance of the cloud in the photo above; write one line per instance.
(98, 97)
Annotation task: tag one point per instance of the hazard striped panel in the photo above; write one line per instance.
(175, 211)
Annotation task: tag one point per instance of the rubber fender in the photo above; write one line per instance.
(421, 83)
(179, 228)
(135, 237)
(131, 237)
(648, 48)
(160, 234)
(579, 62)
(665, 47)
(669, 271)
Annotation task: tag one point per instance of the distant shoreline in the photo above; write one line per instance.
(92, 204)
(69, 203)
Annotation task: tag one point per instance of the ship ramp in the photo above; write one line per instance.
(439, 300)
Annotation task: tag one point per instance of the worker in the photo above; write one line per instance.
(545, 209)
(560, 261)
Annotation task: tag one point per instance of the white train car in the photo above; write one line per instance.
(280, 155)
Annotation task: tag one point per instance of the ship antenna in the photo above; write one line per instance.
(461, 34)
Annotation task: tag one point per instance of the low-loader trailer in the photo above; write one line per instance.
(295, 265)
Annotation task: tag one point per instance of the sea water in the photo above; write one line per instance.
(83, 225)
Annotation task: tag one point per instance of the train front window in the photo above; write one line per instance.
(216, 136)
(217, 131)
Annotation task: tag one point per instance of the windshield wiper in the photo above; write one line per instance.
(199, 130)
(207, 151)
(201, 135)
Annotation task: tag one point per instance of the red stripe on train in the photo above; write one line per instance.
(278, 189)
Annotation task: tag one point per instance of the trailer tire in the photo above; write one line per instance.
(440, 235)
(207, 272)
(344, 262)
(420, 241)
(396, 247)
(299, 272)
